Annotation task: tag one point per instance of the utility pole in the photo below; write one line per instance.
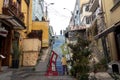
(79, 11)
(72, 17)
(46, 10)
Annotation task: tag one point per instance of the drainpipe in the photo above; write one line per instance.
(103, 39)
(105, 49)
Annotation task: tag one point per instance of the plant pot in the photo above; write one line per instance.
(15, 63)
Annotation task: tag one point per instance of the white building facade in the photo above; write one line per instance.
(38, 12)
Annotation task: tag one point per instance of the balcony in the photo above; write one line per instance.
(93, 5)
(13, 9)
(13, 22)
(75, 28)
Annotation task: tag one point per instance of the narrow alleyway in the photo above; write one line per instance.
(38, 72)
(59, 41)
(36, 35)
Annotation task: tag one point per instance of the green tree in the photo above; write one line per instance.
(80, 58)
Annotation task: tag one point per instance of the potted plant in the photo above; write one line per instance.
(80, 59)
(15, 55)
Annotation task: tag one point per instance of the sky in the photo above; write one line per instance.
(58, 16)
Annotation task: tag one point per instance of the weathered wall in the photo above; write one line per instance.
(115, 15)
(31, 50)
(1, 5)
(110, 19)
(31, 45)
(24, 9)
(30, 58)
(44, 26)
(83, 2)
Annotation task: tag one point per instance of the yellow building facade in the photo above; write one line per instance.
(111, 11)
(82, 2)
(44, 26)
(1, 5)
(20, 31)
(104, 31)
(108, 20)
(14, 28)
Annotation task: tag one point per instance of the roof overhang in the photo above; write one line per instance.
(14, 21)
(107, 31)
(77, 28)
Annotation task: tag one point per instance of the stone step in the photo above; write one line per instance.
(25, 75)
(20, 74)
(50, 78)
(4, 75)
(61, 78)
(38, 73)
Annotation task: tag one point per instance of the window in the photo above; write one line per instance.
(117, 38)
(118, 44)
(87, 20)
(93, 17)
(27, 1)
(19, 1)
(87, 8)
(77, 12)
(92, 1)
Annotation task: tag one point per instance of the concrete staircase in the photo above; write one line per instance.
(28, 73)
(21, 73)
(37, 75)
(43, 62)
(50, 78)
(6, 75)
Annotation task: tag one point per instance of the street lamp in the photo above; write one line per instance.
(46, 10)
(72, 17)
(68, 10)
